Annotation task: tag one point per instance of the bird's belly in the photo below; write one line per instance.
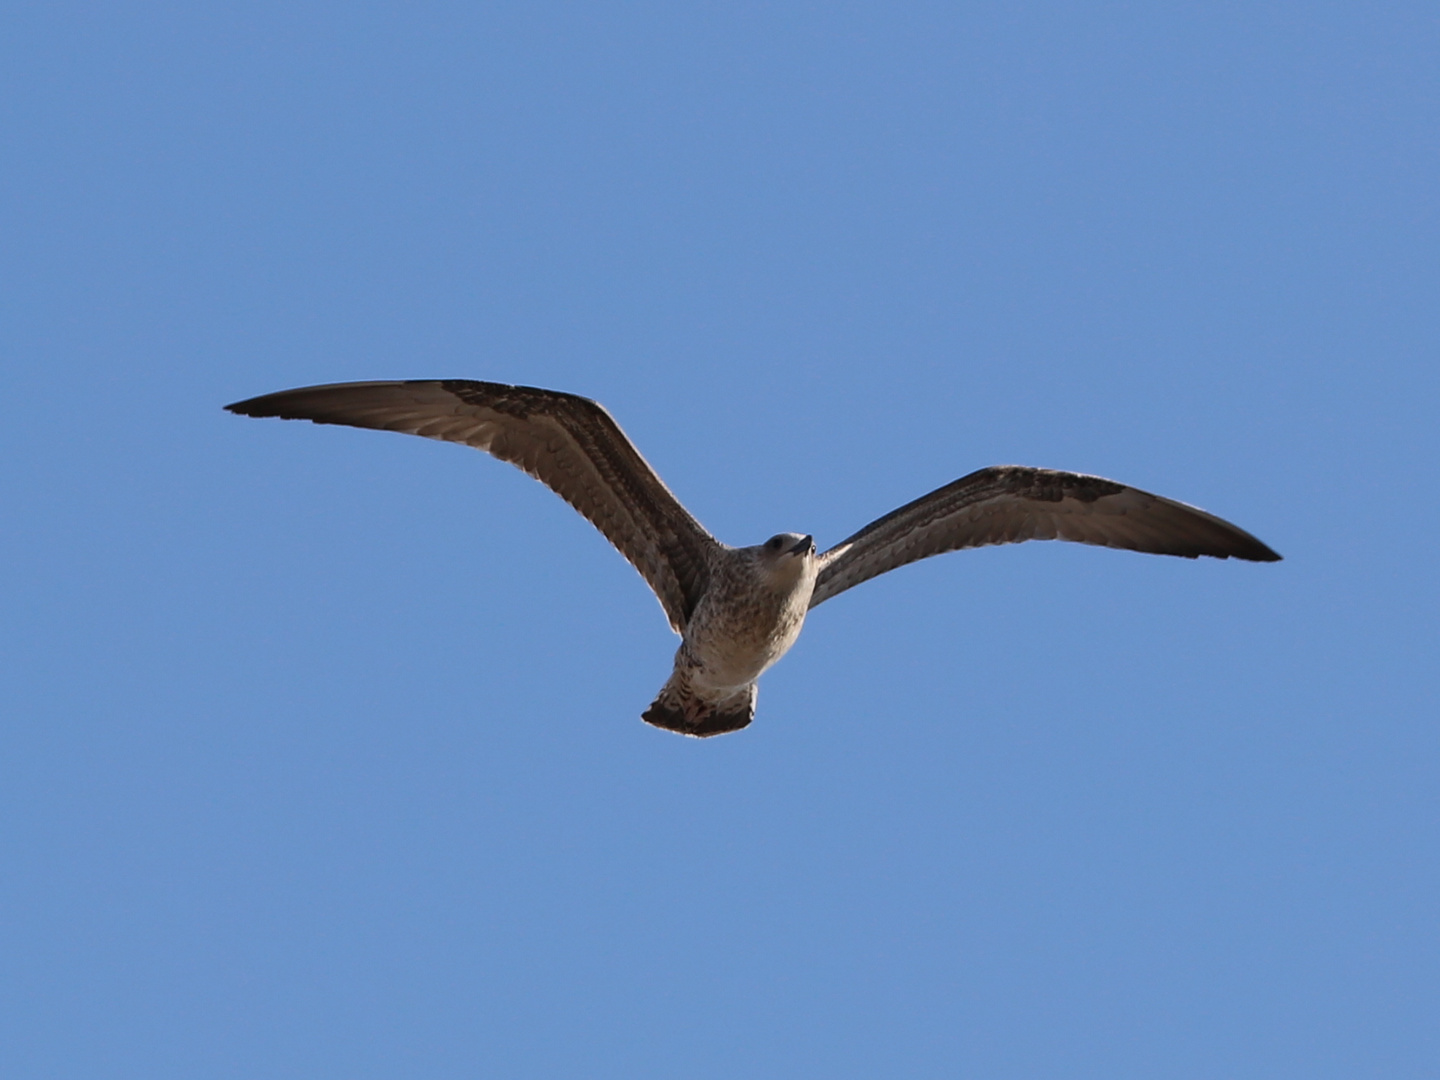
(730, 656)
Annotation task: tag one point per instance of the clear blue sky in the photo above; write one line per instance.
(320, 753)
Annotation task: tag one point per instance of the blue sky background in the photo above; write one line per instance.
(320, 752)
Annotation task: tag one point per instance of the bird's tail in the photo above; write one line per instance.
(680, 708)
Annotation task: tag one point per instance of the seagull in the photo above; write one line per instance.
(738, 610)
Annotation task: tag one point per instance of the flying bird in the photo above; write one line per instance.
(738, 610)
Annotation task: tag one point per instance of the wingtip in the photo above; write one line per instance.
(1259, 552)
(262, 406)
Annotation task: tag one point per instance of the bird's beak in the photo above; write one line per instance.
(804, 547)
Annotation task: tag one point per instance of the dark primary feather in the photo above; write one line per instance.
(567, 442)
(1006, 504)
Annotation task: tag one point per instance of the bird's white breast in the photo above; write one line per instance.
(747, 621)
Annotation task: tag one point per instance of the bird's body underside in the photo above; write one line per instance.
(738, 610)
(748, 619)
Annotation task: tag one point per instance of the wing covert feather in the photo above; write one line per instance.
(1008, 504)
(567, 442)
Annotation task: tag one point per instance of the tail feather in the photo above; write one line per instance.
(679, 708)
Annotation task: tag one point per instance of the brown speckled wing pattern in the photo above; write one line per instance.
(567, 442)
(1006, 504)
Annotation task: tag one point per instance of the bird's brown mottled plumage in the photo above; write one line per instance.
(567, 442)
(1006, 504)
(739, 609)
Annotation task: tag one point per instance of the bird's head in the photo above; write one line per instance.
(786, 556)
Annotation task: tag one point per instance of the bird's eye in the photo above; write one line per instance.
(774, 544)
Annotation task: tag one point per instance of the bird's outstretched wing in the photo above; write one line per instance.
(567, 442)
(1006, 504)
